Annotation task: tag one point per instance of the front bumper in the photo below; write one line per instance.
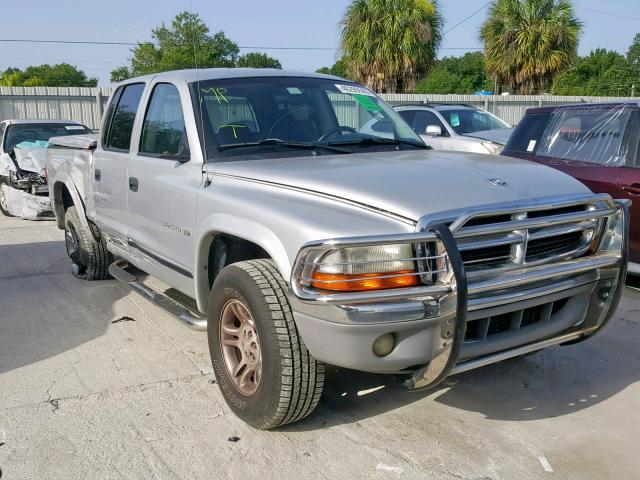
(573, 299)
(27, 206)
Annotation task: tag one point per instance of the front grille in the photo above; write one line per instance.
(555, 245)
(507, 239)
(483, 329)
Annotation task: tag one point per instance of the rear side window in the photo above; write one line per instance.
(163, 131)
(2, 128)
(526, 137)
(123, 117)
(591, 135)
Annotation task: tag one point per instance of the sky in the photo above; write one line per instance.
(249, 23)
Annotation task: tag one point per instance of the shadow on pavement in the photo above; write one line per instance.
(44, 310)
(550, 383)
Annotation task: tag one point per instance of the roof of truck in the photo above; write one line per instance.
(194, 75)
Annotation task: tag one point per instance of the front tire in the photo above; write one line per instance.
(4, 208)
(265, 373)
(90, 259)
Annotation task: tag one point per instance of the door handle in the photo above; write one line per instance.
(133, 184)
(633, 189)
(97, 174)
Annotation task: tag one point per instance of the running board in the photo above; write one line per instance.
(117, 271)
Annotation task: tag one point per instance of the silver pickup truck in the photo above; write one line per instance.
(249, 203)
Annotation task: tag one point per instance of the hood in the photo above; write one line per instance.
(31, 159)
(497, 135)
(410, 184)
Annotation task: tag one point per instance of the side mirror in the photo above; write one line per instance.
(433, 131)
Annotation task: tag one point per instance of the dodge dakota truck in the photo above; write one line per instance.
(249, 204)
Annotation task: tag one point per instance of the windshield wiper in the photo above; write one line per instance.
(285, 143)
(381, 141)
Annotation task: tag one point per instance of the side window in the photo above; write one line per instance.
(163, 131)
(109, 117)
(408, 116)
(526, 137)
(424, 119)
(121, 126)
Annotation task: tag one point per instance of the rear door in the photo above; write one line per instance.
(110, 165)
(163, 182)
(629, 188)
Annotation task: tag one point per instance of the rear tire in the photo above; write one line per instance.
(4, 208)
(283, 381)
(90, 259)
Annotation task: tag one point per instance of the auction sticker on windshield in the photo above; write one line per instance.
(355, 90)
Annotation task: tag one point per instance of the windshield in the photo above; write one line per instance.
(469, 120)
(37, 134)
(262, 117)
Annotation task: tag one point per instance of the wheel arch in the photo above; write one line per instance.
(64, 194)
(260, 242)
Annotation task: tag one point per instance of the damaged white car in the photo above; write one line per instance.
(23, 185)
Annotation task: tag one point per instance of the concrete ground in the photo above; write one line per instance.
(97, 383)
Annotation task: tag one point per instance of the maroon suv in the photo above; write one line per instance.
(599, 144)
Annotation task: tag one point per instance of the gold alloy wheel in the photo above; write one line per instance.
(240, 347)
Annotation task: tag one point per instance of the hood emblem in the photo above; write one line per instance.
(497, 182)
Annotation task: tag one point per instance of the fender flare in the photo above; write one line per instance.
(249, 230)
(66, 180)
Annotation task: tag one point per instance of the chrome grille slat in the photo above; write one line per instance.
(532, 223)
(497, 239)
(553, 231)
(510, 239)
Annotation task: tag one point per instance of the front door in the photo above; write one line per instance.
(163, 183)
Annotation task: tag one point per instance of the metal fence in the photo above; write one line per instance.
(510, 108)
(85, 105)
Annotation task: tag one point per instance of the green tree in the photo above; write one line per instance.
(186, 43)
(59, 75)
(527, 43)
(121, 73)
(339, 69)
(388, 44)
(601, 73)
(258, 60)
(463, 75)
(633, 54)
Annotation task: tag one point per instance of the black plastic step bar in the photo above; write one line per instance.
(118, 271)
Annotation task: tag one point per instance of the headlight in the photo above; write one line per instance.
(356, 269)
(613, 237)
(493, 148)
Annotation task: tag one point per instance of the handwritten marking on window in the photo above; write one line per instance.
(220, 94)
(233, 128)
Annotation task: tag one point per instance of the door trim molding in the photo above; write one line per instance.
(162, 261)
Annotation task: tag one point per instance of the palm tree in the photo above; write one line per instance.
(527, 43)
(388, 44)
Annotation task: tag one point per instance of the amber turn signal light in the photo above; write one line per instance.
(340, 282)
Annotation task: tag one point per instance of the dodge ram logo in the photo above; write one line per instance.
(497, 182)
